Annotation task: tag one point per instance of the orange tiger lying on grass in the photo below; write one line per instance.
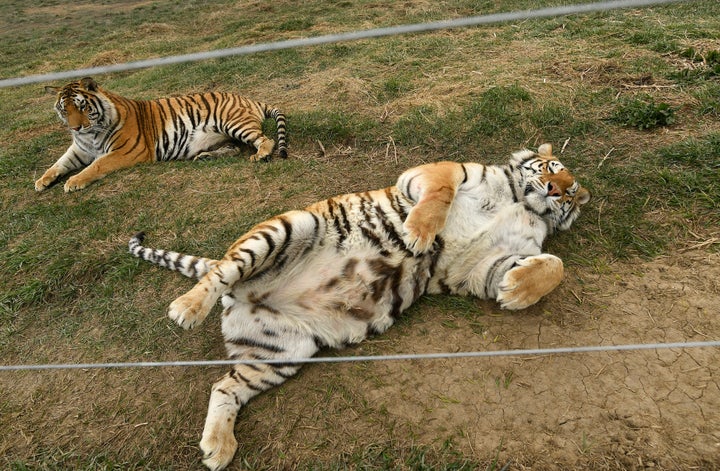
(346, 267)
(111, 132)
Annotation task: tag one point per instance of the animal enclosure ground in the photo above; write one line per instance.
(642, 262)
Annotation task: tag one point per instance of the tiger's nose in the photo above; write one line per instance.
(553, 190)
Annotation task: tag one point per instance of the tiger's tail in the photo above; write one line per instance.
(281, 123)
(188, 265)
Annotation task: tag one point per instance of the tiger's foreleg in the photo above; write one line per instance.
(530, 279)
(243, 382)
(108, 163)
(432, 187)
(72, 159)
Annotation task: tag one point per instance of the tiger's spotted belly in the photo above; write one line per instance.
(335, 298)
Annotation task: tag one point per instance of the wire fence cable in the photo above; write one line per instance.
(340, 37)
(360, 358)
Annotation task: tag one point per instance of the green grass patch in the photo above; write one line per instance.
(643, 113)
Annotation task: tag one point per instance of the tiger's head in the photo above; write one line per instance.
(549, 189)
(80, 105)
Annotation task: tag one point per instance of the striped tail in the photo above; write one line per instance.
(188, 265)
(279, 118)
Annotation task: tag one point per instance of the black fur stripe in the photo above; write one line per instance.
(253, 344)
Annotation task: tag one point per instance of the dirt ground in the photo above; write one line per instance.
(637, 409)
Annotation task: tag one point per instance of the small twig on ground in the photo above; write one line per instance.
(565, 144)
(605, 158)
(391, 141)
(322, 147)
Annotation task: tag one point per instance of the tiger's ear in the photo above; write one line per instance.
(545, 151)
(89, 84)
(582, 196)
(52, 90)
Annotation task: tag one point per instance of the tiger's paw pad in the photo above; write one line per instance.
(530, 280)
(187, 312)
(218, 450)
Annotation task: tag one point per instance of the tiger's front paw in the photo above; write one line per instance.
(417, 241)
(41, 184)
(187, 311)
(75, 183)
(420, 232)
(218, 449)
(46, 180)
(533, 278)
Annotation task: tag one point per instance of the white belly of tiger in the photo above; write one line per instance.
(331, 296)
(204, 141)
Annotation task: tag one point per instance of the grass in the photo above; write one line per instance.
(643, 113)
(359, 113)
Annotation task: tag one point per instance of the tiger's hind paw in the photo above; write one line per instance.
(260, 158)
(218, 449)
(530, 280)
(187, 311)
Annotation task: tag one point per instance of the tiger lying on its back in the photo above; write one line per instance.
(111, 132)
(347, 267)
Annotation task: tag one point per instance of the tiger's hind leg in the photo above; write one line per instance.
(531, 279)
(243, 382)
(264, 146)
(226, 149)
(193, 307)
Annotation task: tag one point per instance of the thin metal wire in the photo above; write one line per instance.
(340, 37)
(347, 359)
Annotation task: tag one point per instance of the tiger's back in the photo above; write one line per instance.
(111, 132)
(185, 127)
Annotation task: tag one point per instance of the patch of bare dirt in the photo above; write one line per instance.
(633, 409)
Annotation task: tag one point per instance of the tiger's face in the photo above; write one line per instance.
(550, 189)
(78, 105)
